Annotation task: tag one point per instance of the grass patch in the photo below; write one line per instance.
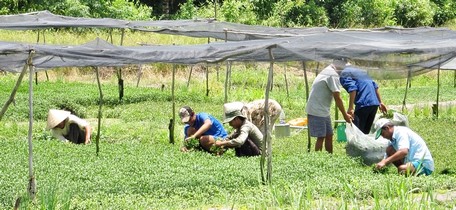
(138, 169)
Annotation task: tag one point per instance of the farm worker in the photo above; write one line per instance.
(68, 127)
(201, 126)
(406, 149)
(324, 88)
(364, 94)
(246, 139)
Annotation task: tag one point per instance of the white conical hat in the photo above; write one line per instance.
(55, 117)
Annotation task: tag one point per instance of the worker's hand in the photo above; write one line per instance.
(190, 138)
(348, 118)
(351, 112)
(380, 164)
(383, 108)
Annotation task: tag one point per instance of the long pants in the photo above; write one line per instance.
(248, 149)
(364, 117)
(76, 135)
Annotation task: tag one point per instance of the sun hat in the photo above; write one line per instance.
(55, 117)
(232, 110)
(378, 126)
(185, 113)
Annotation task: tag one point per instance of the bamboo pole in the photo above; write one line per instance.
(436, 109)
(100, 104)
(189, 76)
(227, 77)
(207, 80)
(32, 181)
(286, 81)
(309, 144)
(16, 87)
(140, 67)
(173, 120)
(266, 155)
(407, 85)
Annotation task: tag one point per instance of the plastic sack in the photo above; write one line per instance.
(400, 119)
(396, 118)
(364, 146)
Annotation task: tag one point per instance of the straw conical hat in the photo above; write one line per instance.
(55, 117)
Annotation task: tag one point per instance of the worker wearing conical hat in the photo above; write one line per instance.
(68, 127)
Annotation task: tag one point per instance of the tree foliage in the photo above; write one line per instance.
(284, 13)
(120, 9)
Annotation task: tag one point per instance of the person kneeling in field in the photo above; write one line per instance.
(406, 150)
(201, 129)
(246, 139)
(68, 127)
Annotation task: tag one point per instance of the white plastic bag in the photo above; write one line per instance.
(364, 146)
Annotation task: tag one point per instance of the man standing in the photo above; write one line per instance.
(406, 150)
(67, 127)
(364, 94)
(201, 126)
(324, 88)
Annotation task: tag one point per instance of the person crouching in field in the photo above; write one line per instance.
(202, 127)
(246, 139)
(68, 127)
(406, 150)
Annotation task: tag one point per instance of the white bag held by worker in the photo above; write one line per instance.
(364, 146)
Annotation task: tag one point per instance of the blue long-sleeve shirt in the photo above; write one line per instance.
(353, 79)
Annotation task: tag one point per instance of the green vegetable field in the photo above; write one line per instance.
(137, 167)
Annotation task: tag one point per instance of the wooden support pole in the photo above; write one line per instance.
(286, 81)
(266, 155)
(16, 87)
(32, 182)
(189, 76)
(227, 78)
(100, 105)
(309, 144)
(207, 80)
(173, 120)
(409, 75)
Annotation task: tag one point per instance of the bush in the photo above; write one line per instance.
(414, 13)
(445, 12)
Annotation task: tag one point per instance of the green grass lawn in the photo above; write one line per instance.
(137, 168)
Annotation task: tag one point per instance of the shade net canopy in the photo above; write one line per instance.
(384, 52)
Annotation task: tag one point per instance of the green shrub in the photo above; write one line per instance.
(414, 13)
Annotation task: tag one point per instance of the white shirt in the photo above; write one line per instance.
(321, 94)
(404, 138)
(60, 133)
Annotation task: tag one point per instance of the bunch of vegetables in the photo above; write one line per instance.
(192, 143)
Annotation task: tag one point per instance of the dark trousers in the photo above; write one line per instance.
(364, 118)
(76, 135)
(248, 149)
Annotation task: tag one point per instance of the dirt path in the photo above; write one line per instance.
(442, 104)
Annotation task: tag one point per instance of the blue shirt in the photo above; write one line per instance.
(216, 130)
(353, 79)
(404, 138)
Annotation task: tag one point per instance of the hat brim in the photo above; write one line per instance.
(55, 117)
(185, 119)
(227, 120)
(378, 133)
